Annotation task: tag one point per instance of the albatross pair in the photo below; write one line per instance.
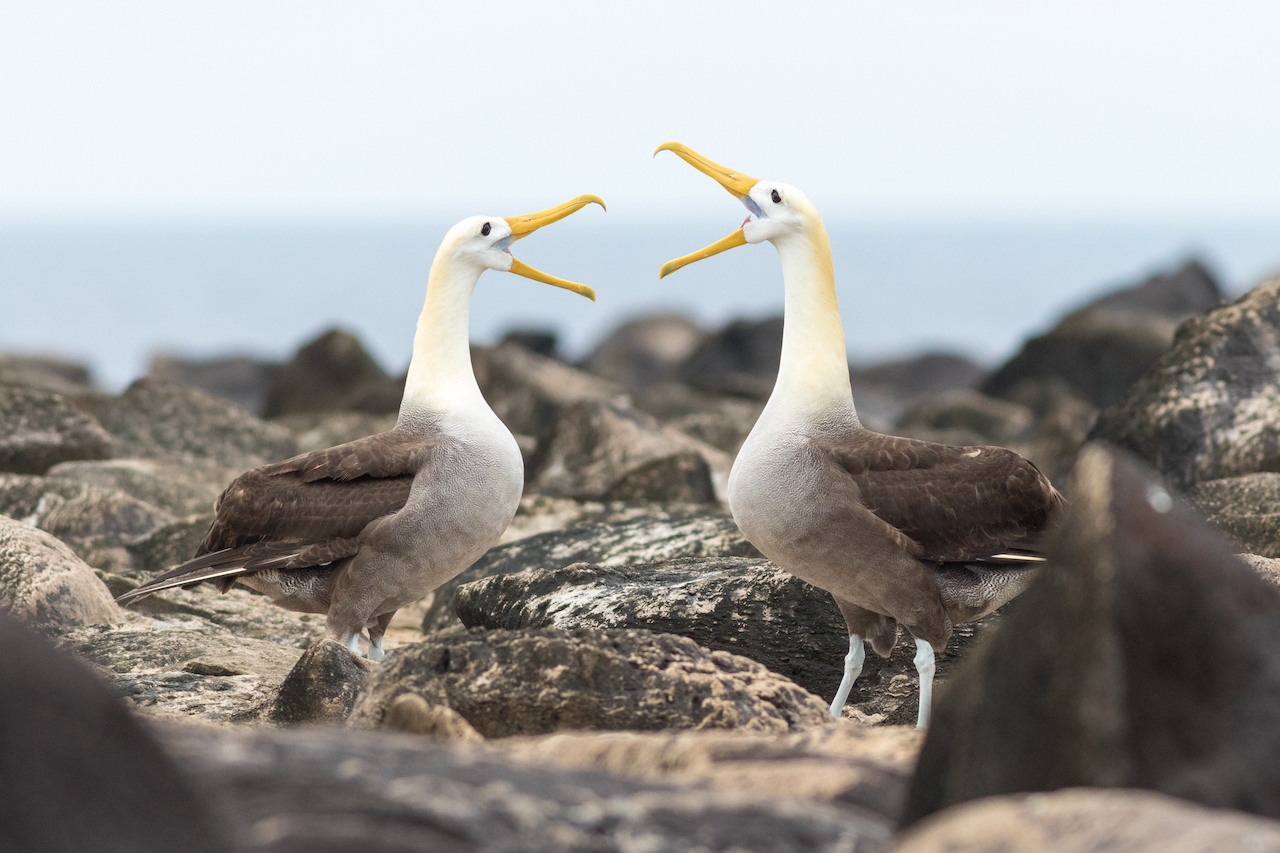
(362, 529)
(897, 530)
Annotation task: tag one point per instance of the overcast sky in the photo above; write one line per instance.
(388, 110)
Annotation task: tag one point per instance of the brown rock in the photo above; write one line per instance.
(322, 686)
(412, 714)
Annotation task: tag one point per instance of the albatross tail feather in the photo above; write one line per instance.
(227, 564)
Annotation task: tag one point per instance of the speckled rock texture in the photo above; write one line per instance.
(658, 533)
(1146, 655)
(534, 682)
(177, 488)
(75, 511)
(1210, 407)
(747, 606)
(41, 429)
(1246, 508)
(45, 585)
(327, 790)
(321, 687)
(1089, 820)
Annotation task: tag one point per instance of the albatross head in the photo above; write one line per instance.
(484, 242)
(779, 212)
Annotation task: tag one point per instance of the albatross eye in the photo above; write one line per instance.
(484, 232)
(777, 199)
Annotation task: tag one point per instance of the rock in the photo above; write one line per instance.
(1062, 423)
(745, 606)
(321, 430)
(42, 428)
(164, 420)
(741, 359)
(644, 350)
(1145, 655)
(722, 422)
(46, 373)
(533, 682)
(243, 380)
(414, 715)
(883, 390)
(1246, 508)
(78, 773)
(1267, 567)
(76, 512)
(177, 488)
(1210, 407)
(658, 534)
(393, 793)
(527, 390)
(165, 547)
(321, 687)
(845, 764)
(185, 668)
(542, 342)
(1088, 819)
(1101, 349)
(967, 415)
(332, 373)
(594, 451)
(45, 585)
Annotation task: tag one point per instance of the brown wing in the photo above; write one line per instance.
(958, 503)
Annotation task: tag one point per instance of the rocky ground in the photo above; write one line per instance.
(625, 672)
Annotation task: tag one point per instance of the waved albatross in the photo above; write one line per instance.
(360, 530)
(896, 529)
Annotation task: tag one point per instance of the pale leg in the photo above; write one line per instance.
(353, 645)
(852, 669)
(925, 666)
(375, 650)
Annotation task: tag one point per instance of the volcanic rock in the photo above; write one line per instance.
(42, 428)
(46, 373)
(1146, 655)
(177, 488)
(534, 682)
(45, 585)
(1210, 407)
(332, 373)
(644, 350)
(243, 380)
(527, 391)
(1246, 508)
(741, 359)
(322, 686)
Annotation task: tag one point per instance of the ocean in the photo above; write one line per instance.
(112, 295)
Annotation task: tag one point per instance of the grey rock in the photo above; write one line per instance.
(177, 488)
(658, 534)
(542, 342)
(1246, 508)
(321, 430)
(924, 375)
(75, 511)
(986, 419)
(164, 420)
(527, 391)
(42, 428)
(1100, 349)
(533, 682)
(1062, 424)
(243, 380)
(746, 606)
(321, 687)
(645, 350)
(591, 448)
(1145, 655)
(390, 793)
(741, 359)
(45, 585)
(185, 668)
(1088, 819)
(46, 373)
(1210, 407)
(1267, 567)
(78, 772)
(165, 547)
(332, 373)
(722, 422)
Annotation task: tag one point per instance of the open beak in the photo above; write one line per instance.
(735, 182)
(523, 226)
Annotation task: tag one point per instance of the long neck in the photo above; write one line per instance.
(813, 376)
(441, 381)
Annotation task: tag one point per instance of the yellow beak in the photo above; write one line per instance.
(523, 226)
(735, 182)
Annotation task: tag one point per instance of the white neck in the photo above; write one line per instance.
(441, 381)
(813, 376)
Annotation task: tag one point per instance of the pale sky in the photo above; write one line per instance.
(390, 110)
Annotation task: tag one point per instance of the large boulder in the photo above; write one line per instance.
(243, 380)
(1210, 407)
(884, 389)
(747, 606)
(1099, 350)
(1088, 819)
(535, 682)
(1146, 655)
(608, 451)
(644, 350)
(177, 488)
(740, 359)
(153, 419)
(42, 428)
(79, 773)
(722, 422)
(333, 372)
(527, 391)
(334, 790)
(45, 585)
(657, 534)
(966, 417)
(321, 430)
(1246, 508)
(46, 373)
